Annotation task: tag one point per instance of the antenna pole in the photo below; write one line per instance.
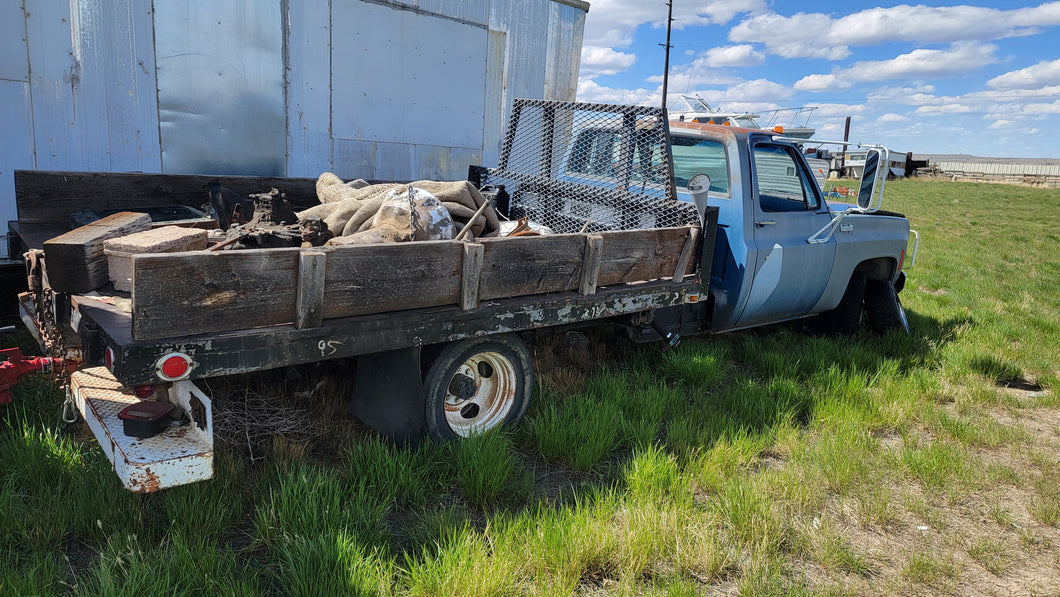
(666, 67)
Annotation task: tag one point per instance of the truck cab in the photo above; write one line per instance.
(781, 250)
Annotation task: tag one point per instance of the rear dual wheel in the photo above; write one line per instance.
(478, 384)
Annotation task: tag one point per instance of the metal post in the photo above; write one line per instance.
(666, 67)
(843, 156)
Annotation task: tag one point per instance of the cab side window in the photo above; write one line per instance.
(782, 184)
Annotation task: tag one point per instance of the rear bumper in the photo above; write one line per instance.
(179, 455)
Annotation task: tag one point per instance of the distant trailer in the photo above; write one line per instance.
(999, 170)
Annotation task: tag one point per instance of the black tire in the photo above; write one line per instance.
(845, 319)
(477, 384)
(884, 308)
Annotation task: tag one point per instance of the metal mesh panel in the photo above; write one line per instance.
(592, 167)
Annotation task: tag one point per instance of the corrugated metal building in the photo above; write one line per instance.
(385, 89)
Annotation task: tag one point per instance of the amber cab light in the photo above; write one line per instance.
(173, 366)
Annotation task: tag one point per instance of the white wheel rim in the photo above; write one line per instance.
(486, 404)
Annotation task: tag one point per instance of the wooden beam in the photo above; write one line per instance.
(365, 279)
(591, 264)
(181, 294)
(309, 303)
(638, 255)
(47, 196)
(472, 273)
(522, 265)
(75, 260)
(686, 254)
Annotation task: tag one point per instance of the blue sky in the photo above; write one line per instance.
(980, 78)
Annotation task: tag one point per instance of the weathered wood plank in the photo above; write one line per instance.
(591, 264)
(636, 255)
(50, 196)
(181, 294)
(530, 265)
(75, 260)
(686, 254)
(471, 277)
(391, 277)
(309, 303)
(184, 294)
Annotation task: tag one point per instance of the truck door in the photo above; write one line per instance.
(790, 274)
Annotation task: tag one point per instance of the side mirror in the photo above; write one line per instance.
(870, 195)
(698, 187)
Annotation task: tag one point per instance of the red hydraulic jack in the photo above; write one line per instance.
(18, 365)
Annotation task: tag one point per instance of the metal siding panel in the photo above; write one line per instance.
(528, 29)
(309, 145)
(430, 162)
(131, 91)
(220, 87)
(555, 38)
(16, 151)
(14, 58)
(496, 95)
(90, 84)
(393, 161)
(460, 159)
(575, 56)
(54, 76)
(355, 159)
(407, 77)
(475, 11)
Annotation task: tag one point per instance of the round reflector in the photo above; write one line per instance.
(173, 366)
(108, 359)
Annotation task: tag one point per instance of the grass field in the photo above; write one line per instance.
(759, 463)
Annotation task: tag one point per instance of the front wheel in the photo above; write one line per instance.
(477, 384)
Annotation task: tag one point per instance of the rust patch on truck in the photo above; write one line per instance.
(145, 482)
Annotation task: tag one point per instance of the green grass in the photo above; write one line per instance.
(765, 462)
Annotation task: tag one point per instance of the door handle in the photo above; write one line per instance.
(763, 223)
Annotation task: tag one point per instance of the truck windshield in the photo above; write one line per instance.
(700, 156)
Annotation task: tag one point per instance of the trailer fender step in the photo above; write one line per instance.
(179, 455)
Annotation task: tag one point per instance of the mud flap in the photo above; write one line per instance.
(388, 394)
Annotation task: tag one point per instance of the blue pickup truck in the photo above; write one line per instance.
(663, 229)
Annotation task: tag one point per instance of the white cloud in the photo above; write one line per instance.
(943, 109)
(591, 91)
(1043, 73)
(598, 61)
(742, 55)
(817, 35)
(758, 90)
(892, 117)
(960, 57)
(1032, 109)
(1001, 124)
(838, 110)
(612, 23)
(816, 83)
(698, 73)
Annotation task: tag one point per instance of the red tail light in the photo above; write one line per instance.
(173, 366)
(108, 359)
(143, 391)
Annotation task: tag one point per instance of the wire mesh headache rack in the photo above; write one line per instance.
(579, 166)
